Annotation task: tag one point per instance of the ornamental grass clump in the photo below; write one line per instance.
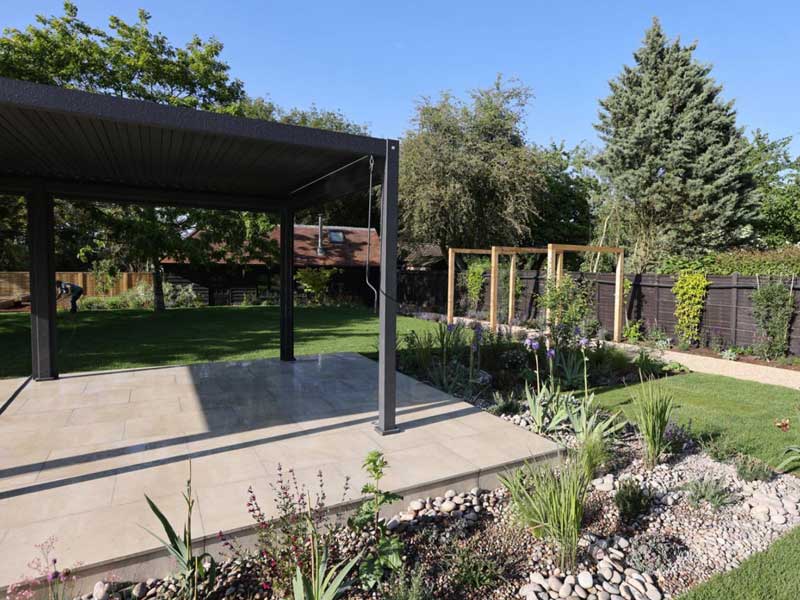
(550, 502)
(653, 409)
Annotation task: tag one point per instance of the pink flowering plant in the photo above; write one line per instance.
(58, 582)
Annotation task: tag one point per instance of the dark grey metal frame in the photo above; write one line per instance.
(42, 184)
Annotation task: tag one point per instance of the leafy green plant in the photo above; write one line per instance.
(408, 586)
(631, 500)
(570, 307)
(551, 504)
(475, 281)
(570, 366)
(792, 461)
(773, 307)
(192, 569)
(386, 551)
(653, 409)
(549, 409)
(505, 404)
(314, 282)
(592, 453)
(690, 297)
(473, 571)
(633, 331)
(710, 490)
(322, 583)
(647, 364)
(752, 469)
(729, 354)
(719, 448)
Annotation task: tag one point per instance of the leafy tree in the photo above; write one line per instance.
(468, 178)
(674, 160)
(777, 179)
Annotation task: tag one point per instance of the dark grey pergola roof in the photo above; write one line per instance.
(137, 151)
(70, 144)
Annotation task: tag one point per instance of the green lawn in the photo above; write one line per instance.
(743, 412)
(97, 340)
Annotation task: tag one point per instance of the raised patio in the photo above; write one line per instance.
(78, 454)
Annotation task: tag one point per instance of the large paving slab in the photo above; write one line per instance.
(77, 455)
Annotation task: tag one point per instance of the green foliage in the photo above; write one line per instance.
(592, 453)
(192, 569)
(752, 469)
(408, 587)
(784, 261)
(384, 554)
(505, 404)
(792, 460)
(633, 332)
(180, 296)
(551, 504)
(690, 297)
(570, 366)
(648, 365)
(322, 583)
(315, 281)
(570, 306)
(719, 447)
(674, 162)
(473, 571)
(773, 307)
(631, 500)
(475, 281)
(709, 490)
(468, 179)
(549, 409)
(653, 408)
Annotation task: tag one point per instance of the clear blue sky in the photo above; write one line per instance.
(373, 60)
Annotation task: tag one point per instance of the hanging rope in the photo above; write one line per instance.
(369, 231)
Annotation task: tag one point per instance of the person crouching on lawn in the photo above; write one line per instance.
(73, 289)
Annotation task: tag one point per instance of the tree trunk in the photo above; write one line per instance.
(158, 288)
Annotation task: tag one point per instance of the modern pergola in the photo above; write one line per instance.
(72, 145)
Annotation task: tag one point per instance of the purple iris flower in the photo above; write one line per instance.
(450, 327)
(584, 342)
(551, 353)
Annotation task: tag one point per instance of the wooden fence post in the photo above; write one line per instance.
(551, 272)
(451, 284)
(493, 275)
(735, 307)
(512, 285)
(619, 293)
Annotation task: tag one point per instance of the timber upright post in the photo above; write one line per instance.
(619, 295)
(451, 285)
(493, 289)
(41, 238)
(387, 348)
(287, 284)
(512, 284)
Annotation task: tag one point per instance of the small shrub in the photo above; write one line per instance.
(648, 365)
(570, 306)
(719, 448)
(551, 504)
(405, 586)
(653, 406)
(632, 500)
(472, 571)
(633, 332)
(690, 296)
(314, 282)
(773, 306)
(505, 404)
(654, 552)
(678, 437)
(752, 469)
(792, 461)
(709, 490)
(729, 354)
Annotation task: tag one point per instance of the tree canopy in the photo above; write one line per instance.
(468, 178)
(674, 161)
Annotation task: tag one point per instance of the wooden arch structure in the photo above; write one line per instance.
(555, 269)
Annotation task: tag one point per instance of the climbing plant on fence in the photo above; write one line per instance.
(690, 297)
(474, 277)
(773, 306)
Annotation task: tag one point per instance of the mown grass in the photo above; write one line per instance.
(742, 412)
(98, 340)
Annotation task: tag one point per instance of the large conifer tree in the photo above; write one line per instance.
(674, 160)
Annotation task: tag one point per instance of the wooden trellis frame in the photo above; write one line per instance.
(555, 268)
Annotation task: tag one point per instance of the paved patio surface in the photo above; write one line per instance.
(77, 455)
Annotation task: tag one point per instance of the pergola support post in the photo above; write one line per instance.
(42, 284)
(493, 274)
(619, 296)
(451, 285)
(387, 349)
(512, 291)
(287, 284)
